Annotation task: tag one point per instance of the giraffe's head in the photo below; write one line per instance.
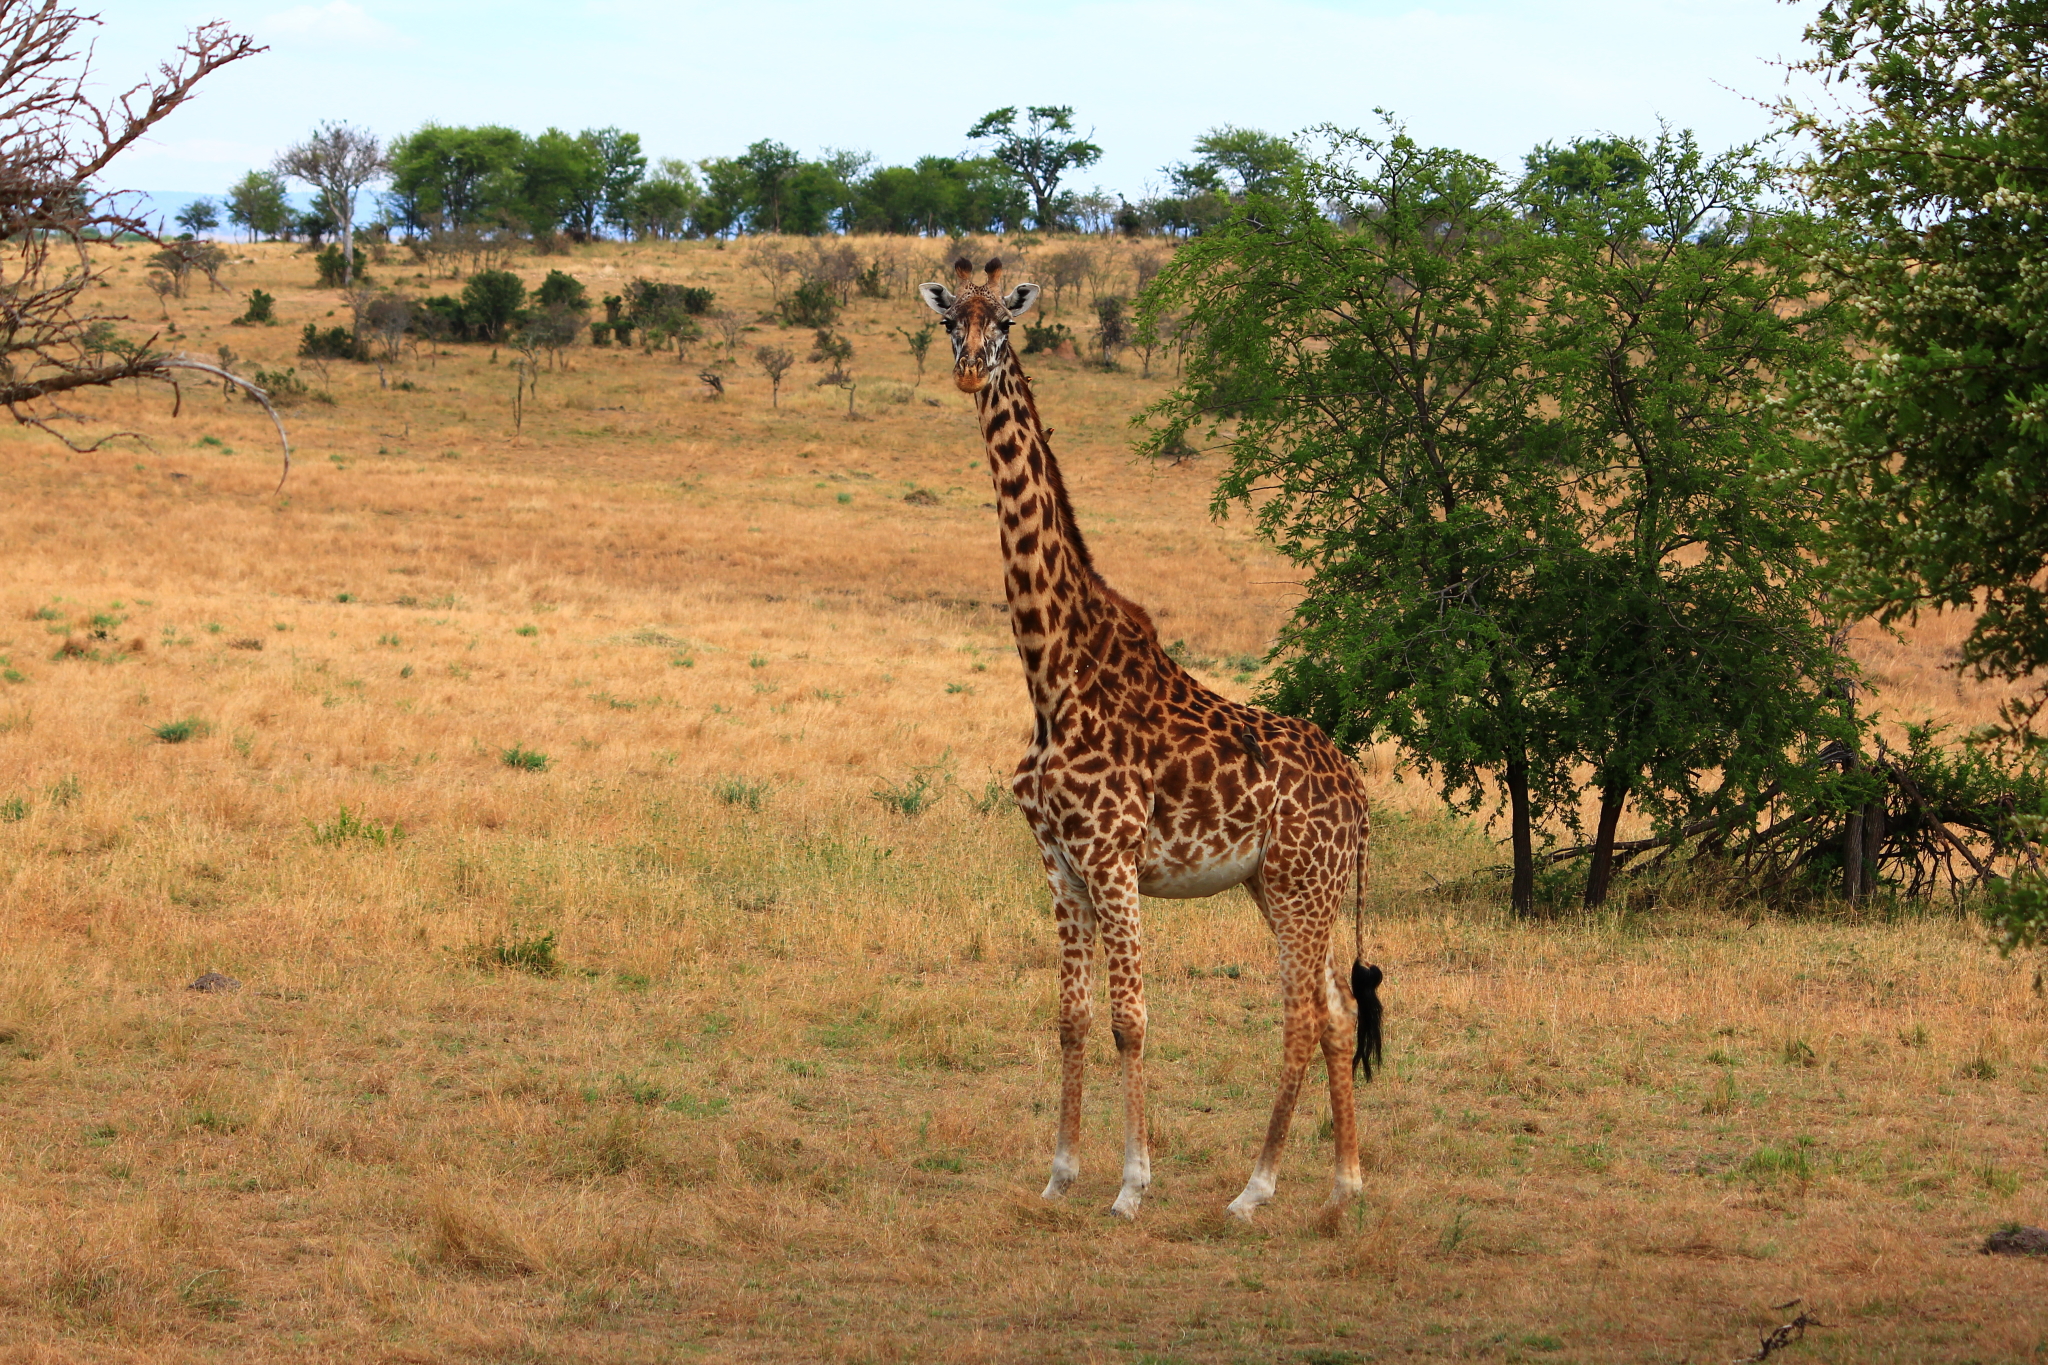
(978, 319)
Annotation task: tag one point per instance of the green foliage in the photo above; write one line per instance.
(561, 290)
(335, 343)
(1046, 337)
(490, 302)
(257, 204)
(1521, 457)
(284, 387)
(746, 793)
(13, 810)
(813, 303)
(664, 312)
(348, 826)
(1685, 609)
(453, 177)
(329, 264)
(917, 793)
(179, 731)
(201, 215)
(1934, 437)
(524, 759)
(1376, 381)
(1112, 327)
(260, 312)
(830, 348)
(1040, 153)
(535, 955)
(920, 343)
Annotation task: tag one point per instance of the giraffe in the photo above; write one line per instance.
(1141, 781)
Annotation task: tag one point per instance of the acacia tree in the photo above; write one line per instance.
(338, 161)
(1934, 438)
(1039, 153)
(1365, 369)
(1673, 306)
(1936, 435)
(56, 139)
(257, 204)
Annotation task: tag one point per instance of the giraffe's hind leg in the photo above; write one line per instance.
(1340, 1036)
(1302, 925)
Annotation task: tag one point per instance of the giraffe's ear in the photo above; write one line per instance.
(936, 297)
(1022, 299)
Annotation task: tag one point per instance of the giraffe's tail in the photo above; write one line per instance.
(1365, 989)
(1365, 977)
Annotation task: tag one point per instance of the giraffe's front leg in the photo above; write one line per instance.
(1077, 968)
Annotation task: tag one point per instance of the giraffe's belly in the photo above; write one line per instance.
(1187, 878)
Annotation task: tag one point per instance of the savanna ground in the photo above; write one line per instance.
(786, 1093)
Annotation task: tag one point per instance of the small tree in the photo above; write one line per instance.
(829, 348)
(338, 161)
(920, 342)
(1112, 328)
(201, 215)
(775, 361)
(388, 317)
(1039, 153)
(257, 204)
(490, 301)
(731, 327)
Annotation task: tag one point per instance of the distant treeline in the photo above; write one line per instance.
(599, 182)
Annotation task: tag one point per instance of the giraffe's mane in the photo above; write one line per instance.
(1139, 616)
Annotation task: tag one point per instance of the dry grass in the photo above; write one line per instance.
(783, 1094)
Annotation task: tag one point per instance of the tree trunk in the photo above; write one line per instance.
(1522, 893)
(1613, 796)
(1852, 846)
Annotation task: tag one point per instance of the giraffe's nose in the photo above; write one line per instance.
(969, 378)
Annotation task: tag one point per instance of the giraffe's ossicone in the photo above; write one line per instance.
(1141, 781)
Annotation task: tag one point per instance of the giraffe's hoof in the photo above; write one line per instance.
(1126, 1205)
(1056, 1188)
(1242, 1211)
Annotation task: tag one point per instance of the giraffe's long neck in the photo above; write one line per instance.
(1051, 582)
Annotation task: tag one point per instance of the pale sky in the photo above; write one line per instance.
(902, 80)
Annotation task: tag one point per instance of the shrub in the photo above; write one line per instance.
(441, 317)
(562, 290)
(923, 789)
(1045, 336)
(259, 312)
(13, 810)
(348, 825)
(536, 955)
(741, 791)
(600, 334)
(528, 760)
(490, 301)
(329, 263)
(284, 386)
(336, 343)
(178, 731)
(811, 304)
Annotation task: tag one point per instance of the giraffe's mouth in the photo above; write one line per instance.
(970, 378)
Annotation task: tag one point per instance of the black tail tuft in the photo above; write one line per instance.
(1365, 989)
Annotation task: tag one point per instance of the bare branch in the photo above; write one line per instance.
(56, 137)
